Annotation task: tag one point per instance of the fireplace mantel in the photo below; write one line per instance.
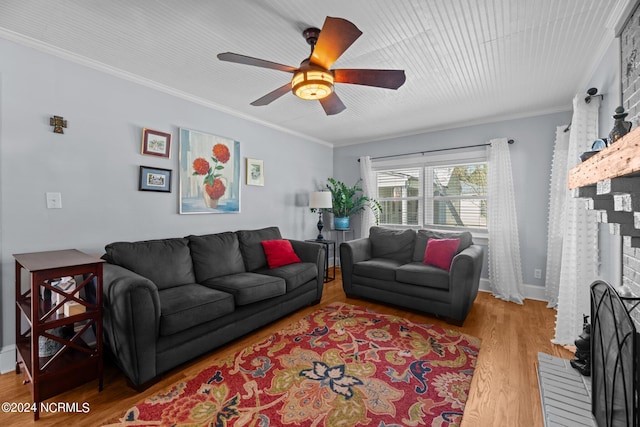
(610, 181)
(620, 159)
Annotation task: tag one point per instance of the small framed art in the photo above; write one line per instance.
(155, 179)
(155, 143)
(255, 172)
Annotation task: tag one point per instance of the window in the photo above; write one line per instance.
(447, 195)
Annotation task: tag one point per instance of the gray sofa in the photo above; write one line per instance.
(168, 301)
(387, 266)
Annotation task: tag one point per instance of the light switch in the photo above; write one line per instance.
(54, 201)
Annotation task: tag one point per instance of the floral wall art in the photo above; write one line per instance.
(209, 173)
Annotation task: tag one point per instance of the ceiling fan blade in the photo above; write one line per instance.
(332, 104)
(388, 79)
(272, 96)
(336, 36)
(249, 60)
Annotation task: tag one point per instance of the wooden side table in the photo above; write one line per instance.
(326, 244)
(75, 361)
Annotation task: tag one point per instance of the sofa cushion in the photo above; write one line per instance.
(279, 252)
(440, 252)
(294, 275)
(251, 246)
(166, 262)
(416, 273)
(215, 255)
(423, 236)
(248, 288)
(377, 268)
(189, 305)
(391, 243)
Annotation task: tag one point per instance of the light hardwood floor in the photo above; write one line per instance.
(504, 390)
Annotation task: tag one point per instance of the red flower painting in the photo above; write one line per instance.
(212, 172)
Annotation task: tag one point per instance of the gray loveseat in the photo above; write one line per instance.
(387, 266)
(168, 301)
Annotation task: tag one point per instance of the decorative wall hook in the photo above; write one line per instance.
(58, 124)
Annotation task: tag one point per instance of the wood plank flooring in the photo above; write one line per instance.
(504, 391)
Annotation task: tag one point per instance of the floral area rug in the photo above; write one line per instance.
(340, 366)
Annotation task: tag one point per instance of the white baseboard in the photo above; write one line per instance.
(530, 291)
(7, 358)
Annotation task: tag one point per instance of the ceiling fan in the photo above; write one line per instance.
(313, 79)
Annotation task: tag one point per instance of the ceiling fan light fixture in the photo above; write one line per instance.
(312, 84)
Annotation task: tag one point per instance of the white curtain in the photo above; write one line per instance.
(505, 270)
(557, 203)
(579, 262)
(369, 190)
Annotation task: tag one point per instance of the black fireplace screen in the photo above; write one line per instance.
(614, 358)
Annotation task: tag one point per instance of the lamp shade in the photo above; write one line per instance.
(320, 200)
(312, 84)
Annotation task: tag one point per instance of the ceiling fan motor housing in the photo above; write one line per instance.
(311, 36)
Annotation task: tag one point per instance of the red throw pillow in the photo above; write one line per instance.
(279, 253)
(440, 252)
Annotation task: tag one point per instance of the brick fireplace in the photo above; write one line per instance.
(610, 183)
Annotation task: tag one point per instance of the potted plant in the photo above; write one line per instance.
(348, 201)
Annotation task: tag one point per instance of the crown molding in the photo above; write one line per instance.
(134, 78)
(620, 15)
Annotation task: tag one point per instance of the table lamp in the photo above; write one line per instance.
(320, 200)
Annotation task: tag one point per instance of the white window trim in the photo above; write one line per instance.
(462, 156)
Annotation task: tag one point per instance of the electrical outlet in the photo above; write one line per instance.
(54, 201)
(537, 273)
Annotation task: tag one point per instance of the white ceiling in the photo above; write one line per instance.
(466, 61)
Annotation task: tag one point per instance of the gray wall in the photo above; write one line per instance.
(531, 162)
(95, 164)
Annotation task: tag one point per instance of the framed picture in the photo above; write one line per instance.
(209, 173)
(156, 143)
(155, 179)
(255, 172)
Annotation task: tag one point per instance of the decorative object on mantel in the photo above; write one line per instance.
(320, 201)
(58, 123)
(349, 201)
(156, 143)
(597, 145)
(620, 126)
(586, 155)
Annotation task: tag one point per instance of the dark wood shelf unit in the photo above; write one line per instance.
(75, 362)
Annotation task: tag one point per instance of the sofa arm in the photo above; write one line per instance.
(352, 252)
(464, 280)
(315, 253)
(131, 319)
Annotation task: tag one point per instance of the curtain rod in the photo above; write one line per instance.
(511, 141)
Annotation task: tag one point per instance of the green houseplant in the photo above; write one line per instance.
(348, 201)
